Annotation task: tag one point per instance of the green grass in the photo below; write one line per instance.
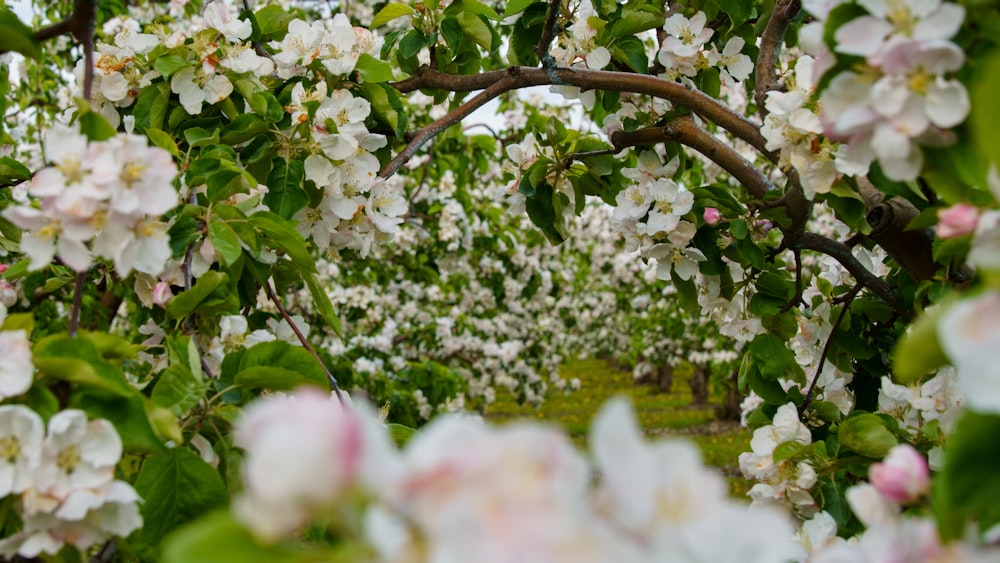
(660, 414)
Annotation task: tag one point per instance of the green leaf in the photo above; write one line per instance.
(517, 6)
(151, 107)
(176, 487)
(161, 139)
(184, 304)
(243, 128)
(985, 115)
(634, 21)
(919, 352)
(19, 321)
(12, 171)
(16, 36)
(129, 415)
(95, 126)
(279, 366)
(77, 360)
(181, 385)
(285, 194)
(201, 137)
(774, 359)
(279, 234)
(866, 434)
(273, 20)
(219, 538)
(970, 480)
(373, 70)
(225, 241)
(738, 11)
(787, 450)
(169, 64)
(400, 433)
(476, 29)
(321, 301)
(390, 12)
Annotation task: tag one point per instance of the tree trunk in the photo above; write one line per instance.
(665, 378)
(699, 385)
(730, 407)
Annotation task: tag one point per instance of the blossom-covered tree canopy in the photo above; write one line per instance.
(262, 264)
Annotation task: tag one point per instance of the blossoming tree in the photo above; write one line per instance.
(197, 195)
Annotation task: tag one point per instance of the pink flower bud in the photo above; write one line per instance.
(712, 216)
(903, 476)
(161, 293)
(956, 221)
(3, 268)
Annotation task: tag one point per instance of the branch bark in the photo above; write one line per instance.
(770, 47)
(842, 253)
(587, 79)
(684, 130)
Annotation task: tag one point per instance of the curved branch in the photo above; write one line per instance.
(508, 82)
(842, 253)
(700, 103)
(684, 130)
(770, 46)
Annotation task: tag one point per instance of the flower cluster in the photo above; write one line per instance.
(100, 199)
(683, 53)
(65, 481)
(780, 481)
(464, 491)
(335, 44)
(903, 98)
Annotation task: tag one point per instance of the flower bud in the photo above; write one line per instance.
(956, 221)
(712, 216)
(903, 476)
(161, 293)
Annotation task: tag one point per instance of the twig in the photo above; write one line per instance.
(303, 340)
(848, 299)
(842, 253)
(548, 34)
(74, 312)
(770, 47)
(587, 154)
(435, 128)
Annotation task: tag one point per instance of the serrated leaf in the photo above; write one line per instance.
(184, 304)
(225, 242)
(373, 70)
(16, 36)
(285, 195)
(323, 305)
(177, 487)
(390, 12)
(279, 366)
(161, 139)
(867, 435)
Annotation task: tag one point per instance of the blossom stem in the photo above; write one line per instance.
(848, 299)
(74, 313)
(303, 340)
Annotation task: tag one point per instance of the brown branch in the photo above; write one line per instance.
(548, 33)
(303, 340)
(679, 94)
(684, 130)
(80, 23)
(509, 81)
(848, 299)
(842, 253)
(770, 47)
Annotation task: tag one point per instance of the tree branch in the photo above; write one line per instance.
(770, 47)
(549, 30)
(842, 253)
(684, 130)
(507, 82)
(587, 79)
(80, 23)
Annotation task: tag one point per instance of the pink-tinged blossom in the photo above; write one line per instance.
(224, 19)
(903, 476)
(712, 216)
(303, 453)
(969, 332)
(663, 501)
(958, 220)
(16, 370)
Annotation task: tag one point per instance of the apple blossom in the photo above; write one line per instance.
(17, 370)
(21, 435)
(957, 221)
(903, 476)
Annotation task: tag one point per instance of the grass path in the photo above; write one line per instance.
(660, 414)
